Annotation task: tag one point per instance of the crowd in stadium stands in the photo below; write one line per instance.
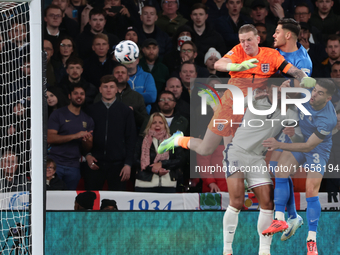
(103, 116)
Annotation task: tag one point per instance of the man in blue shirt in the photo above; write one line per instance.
(313, 154)
(285, 41)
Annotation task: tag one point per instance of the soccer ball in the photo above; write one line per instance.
(126, 52)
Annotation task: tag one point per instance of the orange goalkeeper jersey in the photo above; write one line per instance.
(270, 61)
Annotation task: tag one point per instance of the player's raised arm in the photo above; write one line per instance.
(305, 81)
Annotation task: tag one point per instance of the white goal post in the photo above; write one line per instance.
(27, 200)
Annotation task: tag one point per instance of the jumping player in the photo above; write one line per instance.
(240, 62)
(247, 152)
(313, 153)
(285, 40)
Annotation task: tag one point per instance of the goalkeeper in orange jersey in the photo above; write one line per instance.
(248, 65)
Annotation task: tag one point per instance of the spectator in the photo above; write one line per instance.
(188, 53)
(187, 72)
(170, 20)
(55, 99)
(52, 180)
(277, 11)
(262, 32)
(205, 35)
(15, 121)
(69, 131)
(324, 19)
(48, 48)
(95, 26)
(173, 60)
(333, 52)
(15, 126)
(108, 205)
(316, 52)
(79, 11)
(74, 70)
(53, 17)
(135, 7)
(150, 30)
(151, 63)
(335, 75)
(66, 49)
(131, 34)
(156, 172)
(118, 18)
(302, 14)
(228, 26)
(129, 97)
(143, 83)
(210, 58)
(174, 85)
(68, 24)
(258, 13)
(166, 104)
(85, 201)
(11, 180)
(114, 138)
(100, 63)
(216, 9)
(19, 37)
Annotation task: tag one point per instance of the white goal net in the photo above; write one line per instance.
(17, 108)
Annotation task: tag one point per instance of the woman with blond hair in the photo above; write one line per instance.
(156, 172)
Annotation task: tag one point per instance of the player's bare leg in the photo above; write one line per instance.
(265, 196)
(206, 146)
(313, 183)
(236, 200)
(203, 147)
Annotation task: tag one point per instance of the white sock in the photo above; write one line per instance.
(311, 236)
(279, 215)
(230, 221)
(176, 140)
(264, 220)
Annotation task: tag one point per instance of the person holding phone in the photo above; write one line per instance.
(118, 17)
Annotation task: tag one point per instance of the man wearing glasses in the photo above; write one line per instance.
(302, 14)
(166, 104)
(188, 53)
(170, 20)
(53, 18)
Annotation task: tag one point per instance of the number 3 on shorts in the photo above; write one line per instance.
(316, 158)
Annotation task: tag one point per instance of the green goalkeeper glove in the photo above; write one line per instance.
(245, 65)
(307, 82)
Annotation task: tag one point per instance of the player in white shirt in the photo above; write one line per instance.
(244, 159)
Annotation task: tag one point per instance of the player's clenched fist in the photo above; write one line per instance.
(245, 65)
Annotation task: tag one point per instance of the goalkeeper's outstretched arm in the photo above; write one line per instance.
(229, 66)
(221, 64)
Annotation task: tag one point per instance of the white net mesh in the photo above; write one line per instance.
(15, 163)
